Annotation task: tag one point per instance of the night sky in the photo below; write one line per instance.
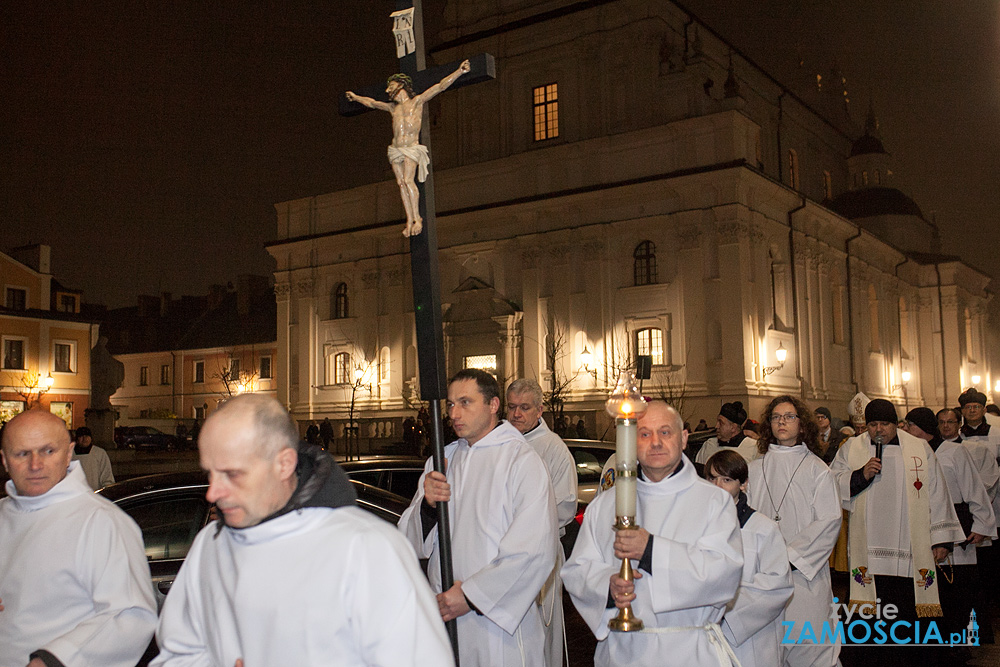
(147, 143)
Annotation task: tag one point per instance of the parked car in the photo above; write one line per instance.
(696, 440)
(171, 508)
(145, 437)
(590, 457)
(396, 474)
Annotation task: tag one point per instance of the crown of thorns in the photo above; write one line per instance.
(403, 79)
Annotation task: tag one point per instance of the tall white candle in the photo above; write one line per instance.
(625, 451)
(625, 496)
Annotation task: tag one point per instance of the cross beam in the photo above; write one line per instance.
(484, 68)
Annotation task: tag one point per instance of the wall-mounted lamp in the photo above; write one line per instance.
(362, 376)
(996, 387)
(779, 355)
(587, 357)
(49, 381)
(905, 379)
(976, 379)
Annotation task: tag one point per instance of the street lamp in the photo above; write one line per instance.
(779, 355)
(587, 357)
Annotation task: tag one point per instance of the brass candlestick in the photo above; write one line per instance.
(625, 621)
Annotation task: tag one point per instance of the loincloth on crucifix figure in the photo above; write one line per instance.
(417, 153)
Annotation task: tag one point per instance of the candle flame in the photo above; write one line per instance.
(626, 408)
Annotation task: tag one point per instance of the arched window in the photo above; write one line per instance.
(342, 368)
(383, 365)
(340, 306)
(644, 266)
(650, 342)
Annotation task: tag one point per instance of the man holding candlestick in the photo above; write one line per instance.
(689, 553)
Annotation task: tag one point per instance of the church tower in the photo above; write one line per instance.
(868, 164)
(873, 203)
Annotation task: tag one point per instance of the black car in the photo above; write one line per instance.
(146, 437)
(397, 474)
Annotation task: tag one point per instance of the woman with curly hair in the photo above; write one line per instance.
(790, 484)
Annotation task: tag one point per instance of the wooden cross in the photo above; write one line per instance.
(409, 40)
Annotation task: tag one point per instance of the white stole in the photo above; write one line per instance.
(925, 589)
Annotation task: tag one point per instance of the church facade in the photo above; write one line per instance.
(596, 202)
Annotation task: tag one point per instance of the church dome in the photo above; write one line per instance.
(873, 201)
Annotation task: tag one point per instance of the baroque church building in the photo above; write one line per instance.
(630, 184)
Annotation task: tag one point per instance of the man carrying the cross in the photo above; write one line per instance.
(503, 526)
(406, 154)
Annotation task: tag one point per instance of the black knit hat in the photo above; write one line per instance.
(734, 412)
(83, 430)
(972, 395)
(881, 410)
(925, 419)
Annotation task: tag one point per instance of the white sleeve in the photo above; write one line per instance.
(944, 521)
(114, 569)
(410, 522)
(507, 586)
(587, 574)
(973, 492)
(842, 472)
(810, 549)
(763, 594)
(701, 572)
(401, 625)
(562, 470)
(106, 475)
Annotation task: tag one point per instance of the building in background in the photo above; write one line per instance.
(595, 203)
(184, 356)
(46, 343)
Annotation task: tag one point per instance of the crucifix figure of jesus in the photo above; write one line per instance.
(408, 157)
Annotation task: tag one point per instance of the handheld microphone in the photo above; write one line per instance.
(878, 447)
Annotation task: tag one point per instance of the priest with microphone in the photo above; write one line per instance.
(902, 521)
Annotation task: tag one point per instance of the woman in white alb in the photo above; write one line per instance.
(791, 485)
